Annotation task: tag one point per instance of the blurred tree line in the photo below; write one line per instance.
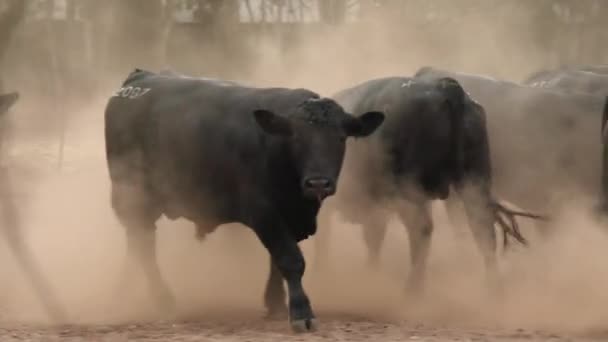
(50, 46)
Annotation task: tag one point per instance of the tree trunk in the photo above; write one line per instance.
(9, 21)
(332, 12)
(136, 37)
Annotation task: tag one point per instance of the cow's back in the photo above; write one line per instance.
(544, 141)
(414, 144)
(194, 142)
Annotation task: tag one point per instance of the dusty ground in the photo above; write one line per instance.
(553, 292)
(342, 328)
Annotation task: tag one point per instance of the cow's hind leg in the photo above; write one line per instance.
(138, 218)
(374, 231)
(274, 295)
(416, 216)
(481, 221)
(456, 214)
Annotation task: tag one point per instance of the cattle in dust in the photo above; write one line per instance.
(433, 140)
(545, 142)
(217, 152)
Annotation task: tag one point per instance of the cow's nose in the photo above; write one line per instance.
(319, 184)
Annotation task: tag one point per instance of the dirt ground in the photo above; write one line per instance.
(335, 328)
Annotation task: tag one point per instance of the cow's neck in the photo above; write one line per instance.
(298, 212)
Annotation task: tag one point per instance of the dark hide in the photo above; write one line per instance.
(434, 138)
(548, 74)
(573, 81)
(544, 141)
(215, 152)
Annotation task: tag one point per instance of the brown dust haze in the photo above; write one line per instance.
(558, 284)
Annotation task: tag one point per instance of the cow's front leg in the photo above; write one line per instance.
(274, 296)
(289, 261)
(374, 231)
(416, 216)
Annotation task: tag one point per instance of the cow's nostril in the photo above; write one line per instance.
(318, 183)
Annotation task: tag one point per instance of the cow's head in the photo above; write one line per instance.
(316, 133)
(7, 100)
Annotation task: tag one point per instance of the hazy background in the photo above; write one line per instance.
(67, 57)
(64, 52)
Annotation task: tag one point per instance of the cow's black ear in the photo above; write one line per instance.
(364, 125)
(7, 100)
(272, 123)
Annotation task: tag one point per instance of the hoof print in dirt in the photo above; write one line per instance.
(304, 325)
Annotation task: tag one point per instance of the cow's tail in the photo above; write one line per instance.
(456, 100)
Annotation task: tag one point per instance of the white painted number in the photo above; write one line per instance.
(131, 92)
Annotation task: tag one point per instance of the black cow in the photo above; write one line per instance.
(573, 81)
(434, 138)
(548, 74)
(215, 152)
(544, 142)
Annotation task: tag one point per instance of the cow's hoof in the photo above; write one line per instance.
(304, 325)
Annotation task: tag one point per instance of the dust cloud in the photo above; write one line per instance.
(557, 284)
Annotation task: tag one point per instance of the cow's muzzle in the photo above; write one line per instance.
(318, 188)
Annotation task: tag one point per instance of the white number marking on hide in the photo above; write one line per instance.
(131, 92)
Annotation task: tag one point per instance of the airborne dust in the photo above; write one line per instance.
(557, 285)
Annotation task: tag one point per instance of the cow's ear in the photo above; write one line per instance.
(364, 125)
(272, 123)
(7, 100)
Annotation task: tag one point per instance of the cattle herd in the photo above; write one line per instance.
(216, 152)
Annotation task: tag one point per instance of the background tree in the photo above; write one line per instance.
(10, 18)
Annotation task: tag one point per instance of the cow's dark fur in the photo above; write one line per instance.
(215, 152)
(587, 79)
(434, 138)
(544, 141)
(573, 81)
(547, 74)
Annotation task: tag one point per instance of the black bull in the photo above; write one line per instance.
(434, 138)
(545, 144)
(586, 79)
(550, 74)
(572, 80)
(216, 152)
(11, 229)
